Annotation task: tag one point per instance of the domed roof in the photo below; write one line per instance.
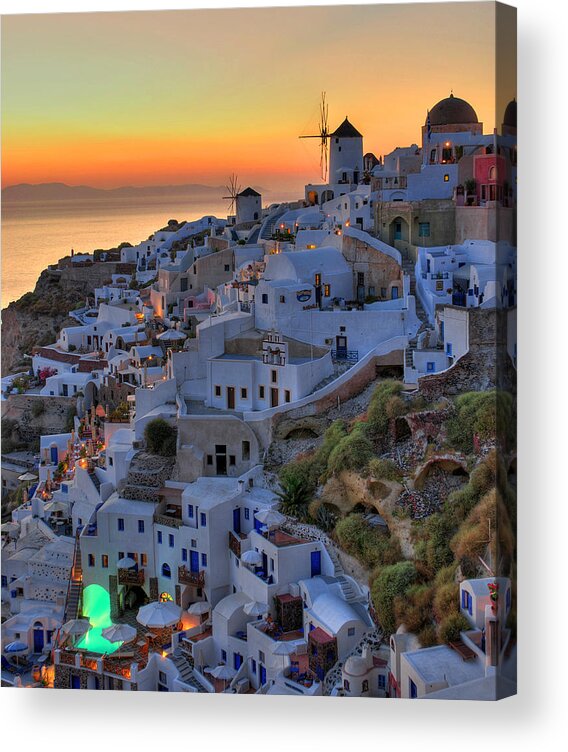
(510, 117)
(356, 665)
(452, 111)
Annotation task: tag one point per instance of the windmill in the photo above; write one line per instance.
(323, 135)
(233, 190)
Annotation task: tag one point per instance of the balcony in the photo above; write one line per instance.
(186, 577)
(235, 542)
(131, 576)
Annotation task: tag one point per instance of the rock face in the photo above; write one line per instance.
(53, 418)
(36, 318)
(146, 476)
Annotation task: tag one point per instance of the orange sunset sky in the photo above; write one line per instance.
(143, 98)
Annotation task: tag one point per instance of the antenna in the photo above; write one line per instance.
(323, 135)
(233, 190)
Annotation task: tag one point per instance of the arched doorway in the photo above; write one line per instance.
(398, 231)
(313, 198)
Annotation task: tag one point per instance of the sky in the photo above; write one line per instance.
(144, 98)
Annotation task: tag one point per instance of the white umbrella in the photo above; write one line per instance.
(251, 557)
(56, 506)
(170, 335)
(27, 476)
(159, 614)
(76, 627)
(270, 517)
(199, 608)
(15, 647)
(127, 562)
(10, 527)
(119, 633)
(223, 672)
(284, 648)
(254, 608)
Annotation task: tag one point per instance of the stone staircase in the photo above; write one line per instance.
(146, 476)
(269, 226)
(408, 268)
(186, 671)
(75, 584)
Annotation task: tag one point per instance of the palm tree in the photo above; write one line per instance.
(294, 496)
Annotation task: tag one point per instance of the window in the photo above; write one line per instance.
(232, 460)
(253, 666)
(272, 565)
(261, 392)
(91, 560)
(317, 280)
(193, 543)
(159, 536)
(140, 526)
(121, 554)
(413, 691)
(217, 390)
(120, 523)
(264, 298)
(247, 513)
(183, 284)
(424, 229)
(365, 686)
(327, 290)
(143, 560)
(261, 657)
(184, 554)
(166, 571)
(274, 377)
(382, 684)
(244, 392)
(351, 631)
(287, 395)
(171, 540)
(346, 684)
(227, 268)
(209, 459)
(449, 349)
(104, 561)
(203, 560)
(446, 178)
(162, 677)
(223, 655)
(430, 367)
(341, 328)
(190, 510)
(282, 298)
(203, 519)
(246, 450)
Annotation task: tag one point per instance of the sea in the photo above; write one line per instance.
(36, 234)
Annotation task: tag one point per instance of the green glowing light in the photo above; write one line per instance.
(96, 608)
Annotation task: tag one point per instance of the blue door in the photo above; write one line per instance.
(38, 640)
(257, 525)
(75, 682)
(194, 561)
(394, 293)
(237, 520)
(238, 661)
(262, 675)
(316, 563)
(54, 455)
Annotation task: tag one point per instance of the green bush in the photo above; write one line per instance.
(352, 452)
(296, 492)
(377, 416)
(383, 469)
(370, 546)
(485, 414)
(392, 581)
(451, 627)
(160, 438)
(438, 532)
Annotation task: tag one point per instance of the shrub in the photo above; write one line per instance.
(392, 581)
(377, 417)
(295, 494)
(451, 627)
(326, 517)
(352, 453)
(482, 413)
(438, 531)
(383, 469)
(160, 437)
(428, 636)
(414, 609)
(38, 408)
(446, 600)
(370, 546)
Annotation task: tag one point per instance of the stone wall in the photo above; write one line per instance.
(54, 418)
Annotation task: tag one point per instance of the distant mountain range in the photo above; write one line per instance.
(61, 191)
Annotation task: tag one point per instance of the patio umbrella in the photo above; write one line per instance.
(15, 647)
(284, 648)
(119, 633)
(251, 557)
(76, 627)
(171, 335)
(127, 562)
(159, 614)
(10, 527)
(56, 506)
(223, 672)
(199, 608)
(270, 517)
(254, 608)
(27, 477)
